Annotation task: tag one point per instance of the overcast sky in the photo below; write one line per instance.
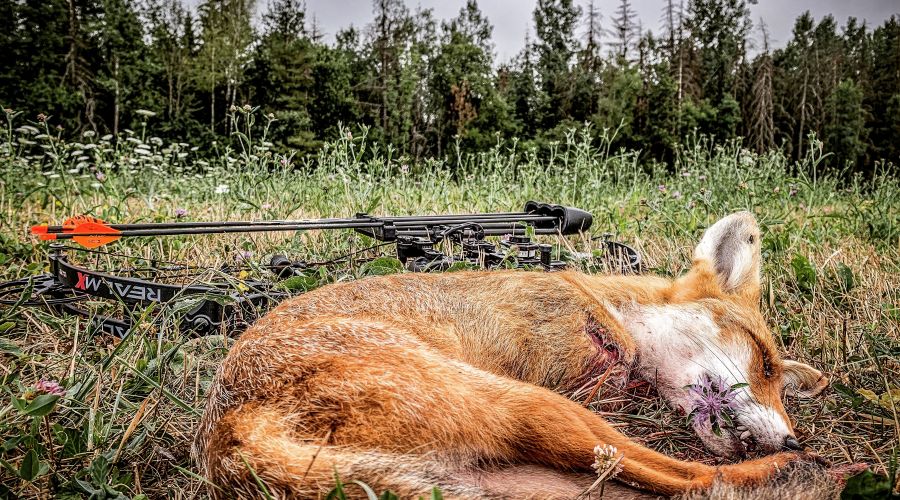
(511, 18)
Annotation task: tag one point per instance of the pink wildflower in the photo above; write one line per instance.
(50, 387)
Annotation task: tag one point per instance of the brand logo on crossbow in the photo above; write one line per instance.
(137, 292)
(87, 282)
(117, 330)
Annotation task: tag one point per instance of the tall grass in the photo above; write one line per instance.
(831, 251)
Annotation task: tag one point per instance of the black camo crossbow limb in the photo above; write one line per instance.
(234, 303)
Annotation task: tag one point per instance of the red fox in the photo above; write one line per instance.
(459, 380)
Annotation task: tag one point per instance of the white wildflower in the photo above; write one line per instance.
(222, 189)
(607, 461)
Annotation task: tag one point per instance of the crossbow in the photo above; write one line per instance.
(234, 303)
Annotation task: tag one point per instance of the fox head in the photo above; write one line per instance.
(708, 349)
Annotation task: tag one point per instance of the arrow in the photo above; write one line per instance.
(92, 232)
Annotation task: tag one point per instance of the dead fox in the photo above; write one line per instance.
(457, 380)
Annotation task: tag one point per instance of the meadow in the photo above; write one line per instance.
(120, 422)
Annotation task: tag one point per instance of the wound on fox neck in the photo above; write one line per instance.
(607, 349)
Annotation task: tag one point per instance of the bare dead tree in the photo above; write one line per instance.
(762, 126)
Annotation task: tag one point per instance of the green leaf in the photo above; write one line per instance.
(30, 467)
(461, 266)
(865, 486)
(845, 276)
(388, 495)
(804, 273)
(12, 442)
(337, 493)
(9, 347)
(381, 266)
(436, 494)
(19, 404)
(300, 283)
(41, 405)
(373, 204)
(6, 326)
(740, 385)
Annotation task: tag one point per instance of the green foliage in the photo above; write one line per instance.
(423, 87)
(867, 486)
(845, 133)
(381, 266)
(804, 273)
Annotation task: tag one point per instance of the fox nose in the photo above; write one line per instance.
(791, 443)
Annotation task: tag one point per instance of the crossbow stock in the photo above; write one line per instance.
(232, 304)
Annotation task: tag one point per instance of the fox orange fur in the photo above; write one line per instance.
(458, 380)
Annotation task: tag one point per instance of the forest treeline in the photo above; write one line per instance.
(433, 87)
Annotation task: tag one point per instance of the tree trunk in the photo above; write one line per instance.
(116, 101)
(802, 114)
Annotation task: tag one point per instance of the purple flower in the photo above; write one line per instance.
(793, 192)
(714, 401)
(180, 212)
(243, 255)
(701, 177)
(100, 176)
(266, 206)
(661, 188)
(50, 387)
(676, 195)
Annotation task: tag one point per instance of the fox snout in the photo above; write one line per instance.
(751, 429)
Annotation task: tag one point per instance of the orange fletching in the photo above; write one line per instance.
(80, 219)
(67, 226)
(94, 234)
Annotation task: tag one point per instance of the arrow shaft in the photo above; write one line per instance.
(410, 228)
(335, 222)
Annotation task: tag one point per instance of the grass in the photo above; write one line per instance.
(123, 427)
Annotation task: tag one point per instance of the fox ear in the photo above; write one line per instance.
(803, 380)
(731, 247)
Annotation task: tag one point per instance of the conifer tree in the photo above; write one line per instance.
(762, 127)
(555, 48)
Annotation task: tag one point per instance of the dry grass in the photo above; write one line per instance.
(131, 406)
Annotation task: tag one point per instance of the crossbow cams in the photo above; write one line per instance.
(233, 304)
